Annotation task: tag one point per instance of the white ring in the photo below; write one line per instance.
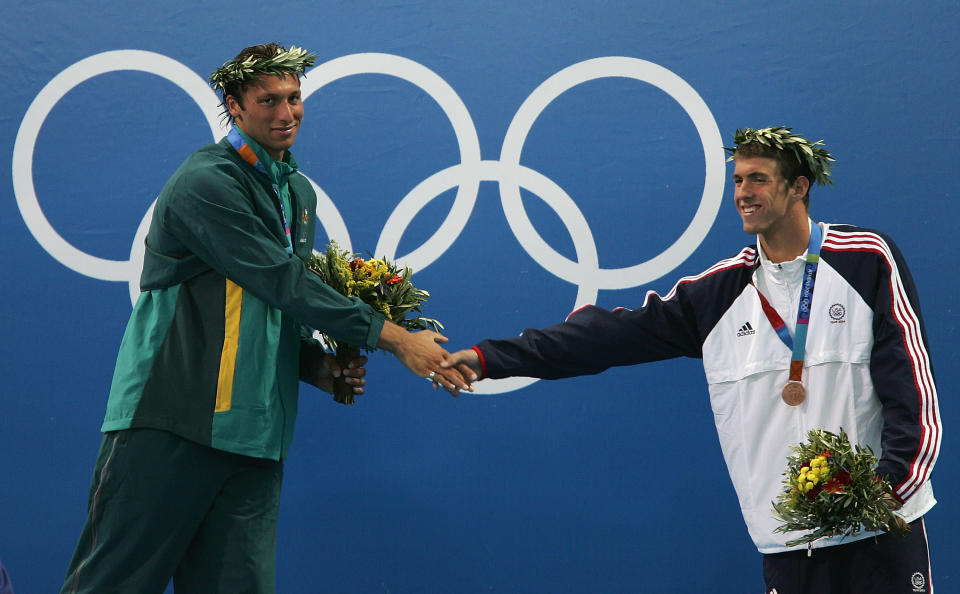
(38, 111)
(696, 231)
(467, 140)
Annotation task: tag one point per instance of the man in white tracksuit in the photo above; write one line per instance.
(864, 365)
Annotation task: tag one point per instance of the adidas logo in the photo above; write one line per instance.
(746, 330)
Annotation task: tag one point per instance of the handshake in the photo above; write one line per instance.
(419, 351)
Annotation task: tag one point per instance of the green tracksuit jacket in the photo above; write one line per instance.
(213, 347)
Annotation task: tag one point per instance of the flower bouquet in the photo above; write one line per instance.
(830, 489)
(378, 283)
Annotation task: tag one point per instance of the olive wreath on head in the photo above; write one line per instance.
(817, 158)
(292, 61)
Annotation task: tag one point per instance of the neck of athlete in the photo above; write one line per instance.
(788, 239)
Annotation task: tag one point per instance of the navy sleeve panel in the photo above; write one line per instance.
(899, 362)
(593, 339)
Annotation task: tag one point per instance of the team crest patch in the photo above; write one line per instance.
(918, 582)
(838, 313)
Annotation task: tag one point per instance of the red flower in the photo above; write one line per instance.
(812, 493)
(396, 279)
(833, 486)
(355, 263)
(837, 483)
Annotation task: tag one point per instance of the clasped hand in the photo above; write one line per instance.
(420, 352)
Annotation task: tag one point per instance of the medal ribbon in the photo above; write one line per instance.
(798, 344)
(247, 153)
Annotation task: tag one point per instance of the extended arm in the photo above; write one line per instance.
(591, 340)
(212, 218)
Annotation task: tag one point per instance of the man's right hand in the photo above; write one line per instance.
(422, 354)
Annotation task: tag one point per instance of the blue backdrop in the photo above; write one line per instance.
(525, 157)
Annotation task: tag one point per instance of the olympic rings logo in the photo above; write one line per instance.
(466, 176)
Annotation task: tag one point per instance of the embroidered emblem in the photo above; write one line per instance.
(838, 313)
(918, 582)
(746, 330)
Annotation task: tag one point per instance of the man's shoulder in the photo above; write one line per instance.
(728, 276)
(853, 238)
(743, 261)
(210, 158)
(210, 164)
(210, 171)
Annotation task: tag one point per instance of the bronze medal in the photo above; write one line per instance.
(794, 393)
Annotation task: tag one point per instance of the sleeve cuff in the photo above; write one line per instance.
(376, 327)
(483, 361)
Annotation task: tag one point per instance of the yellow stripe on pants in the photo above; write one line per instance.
(231, 341)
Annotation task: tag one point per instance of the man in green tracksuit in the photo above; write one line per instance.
(204, 395)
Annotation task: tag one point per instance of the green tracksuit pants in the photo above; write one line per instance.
(163, 507)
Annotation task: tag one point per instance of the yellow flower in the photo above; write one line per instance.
(379, 268)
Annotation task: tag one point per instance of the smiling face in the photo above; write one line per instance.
(269, 111)
(770, 208)
(763, 198)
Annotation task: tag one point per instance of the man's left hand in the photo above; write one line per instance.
(324, 370)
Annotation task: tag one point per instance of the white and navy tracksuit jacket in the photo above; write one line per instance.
(867, 367)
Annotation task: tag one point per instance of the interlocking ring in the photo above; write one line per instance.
(465, 176)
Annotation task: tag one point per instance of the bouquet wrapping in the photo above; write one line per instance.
(830, 489)
(377, 282)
